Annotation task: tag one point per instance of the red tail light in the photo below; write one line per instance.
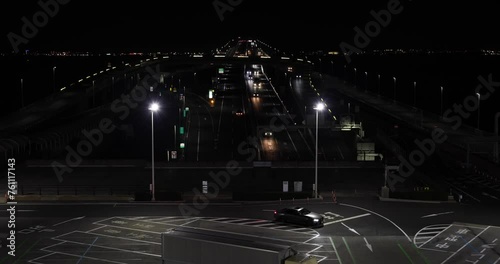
(275, 212)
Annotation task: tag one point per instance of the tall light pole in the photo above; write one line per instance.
(441, 111)
(22, 93)
(54, 78)
(394, 78)
(319, 107)
(153, 108)
(415, 94)
(497, 145)
(355, 75)
(366, 81)
(478, 109)
(112, 87)
(378, 84)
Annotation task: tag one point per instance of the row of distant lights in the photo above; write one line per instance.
(112, 68)
(321, 98)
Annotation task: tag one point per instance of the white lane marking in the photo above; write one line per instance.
(424, 237)
(97, 228)
(346, 219)
(118, 237)
(438, 214)
(435, 228)
(133, 229)
(74, 219)
(187, 223)
(45, 248)
(361, 208)
(26, 210)
(351, 229)
(91, 258)
(32, 261)
(111, 248)
(434, 236)
(429, 233)
(452, 255)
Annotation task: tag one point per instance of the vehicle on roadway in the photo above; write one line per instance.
(239, 112)
(299, 216)
(268, 133)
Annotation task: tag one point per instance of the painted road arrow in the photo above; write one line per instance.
(432, 215)
(74, 219)
(368, 245)
(351, 229)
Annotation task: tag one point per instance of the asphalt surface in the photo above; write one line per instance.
(356, 231)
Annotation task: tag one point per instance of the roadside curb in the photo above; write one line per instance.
(412, 201)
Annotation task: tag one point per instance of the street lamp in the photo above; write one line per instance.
(378, 84)
(319, 107)
(394, 78)
(153, 108)
(497, 147)
(366, 81)
(22, 93)
(478, 109)
(54, 78)
(441, 101)
(355, 75)
(415, 94)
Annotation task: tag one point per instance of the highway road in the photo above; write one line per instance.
(356, 231)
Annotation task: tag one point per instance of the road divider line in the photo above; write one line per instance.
(349, 250)
(405, 253)
(86, 251)
(346, 219)
(334, 248)
(421, 255)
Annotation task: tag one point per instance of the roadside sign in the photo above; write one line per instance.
(285, 186)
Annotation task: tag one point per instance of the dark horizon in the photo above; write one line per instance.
(187, 26)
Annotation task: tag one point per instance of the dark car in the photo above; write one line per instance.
(299, 216)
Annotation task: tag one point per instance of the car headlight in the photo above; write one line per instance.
(316, 220)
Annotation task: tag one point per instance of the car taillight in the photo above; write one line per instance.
(275, 212)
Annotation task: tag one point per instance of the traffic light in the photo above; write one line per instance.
(181, 130)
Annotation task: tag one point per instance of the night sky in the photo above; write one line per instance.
(292, 25)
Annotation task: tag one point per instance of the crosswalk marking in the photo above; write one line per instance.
(427, 233)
